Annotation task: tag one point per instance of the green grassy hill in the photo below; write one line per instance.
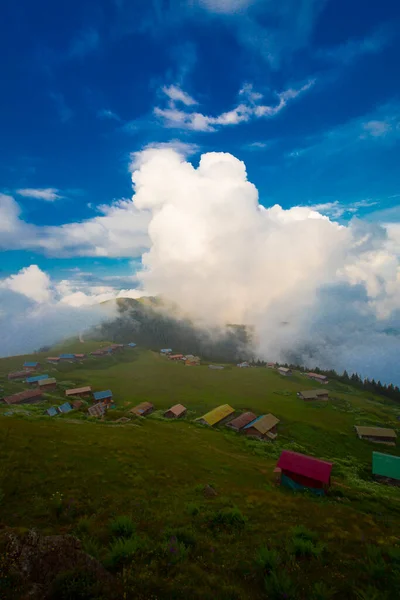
(73, 474)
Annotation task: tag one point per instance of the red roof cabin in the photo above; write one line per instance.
(299, 472)
(80, 356)
(175, 356)
(176, 411)
(53, 360)
(26, 397)
(241, 421)
(19, 374)
(318, 377)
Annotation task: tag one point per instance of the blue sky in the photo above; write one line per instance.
(305, 92)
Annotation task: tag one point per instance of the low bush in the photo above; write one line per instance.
(306, 548)
(175, 550)
(267, 559)
(192, 509)
(184, 535)
(370, 593)
(83, 526)
(394, 554)
(279, 586)
(91, 546)
(228, 517)
(121, 552)
(321, 591)
(122, 527)
(301, 532)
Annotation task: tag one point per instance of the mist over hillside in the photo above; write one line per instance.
(151, 323)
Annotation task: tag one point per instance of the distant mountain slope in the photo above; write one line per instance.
(153, 323)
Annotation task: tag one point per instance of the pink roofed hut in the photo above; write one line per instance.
(176, 411)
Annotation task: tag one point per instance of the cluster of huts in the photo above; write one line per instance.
(107, 350)
(262, 427)
(189, 359)
(294, 470)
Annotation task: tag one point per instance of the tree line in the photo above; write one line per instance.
(369, 385)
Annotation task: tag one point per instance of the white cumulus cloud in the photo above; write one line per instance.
(221, 256)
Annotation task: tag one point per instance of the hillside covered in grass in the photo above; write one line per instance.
(133, 493)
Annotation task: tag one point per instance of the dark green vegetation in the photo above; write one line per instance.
(153, 324)
(133, 493)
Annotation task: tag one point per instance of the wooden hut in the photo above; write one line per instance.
(47, 384)
(53, 360)
(318, 377)
(26, 397)
(176, 411)
(19, 374)
(263, 427)
(34, 381)
(379, 435)
(81, 392)
(67, 357)
(30, 366)
(299, 472)
(97, 410)
(143, 409)
(105, 397)
(284, 371)
(217, 415)
(241, 421)
(309, 395)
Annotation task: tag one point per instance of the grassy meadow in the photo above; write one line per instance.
(133, 493)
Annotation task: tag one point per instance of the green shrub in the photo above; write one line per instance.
(83, 526)
(394, 554)
(122, 527)
(279, 586)
(307, 548)
(192, 508)
(267, 559)
(228, 517)
(121, 552)
(91, 546)
(321, 591)
(373, 552)
(175, 550)
(184, 535)
(300, 531)
(370, 593)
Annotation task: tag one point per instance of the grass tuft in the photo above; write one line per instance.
(279, 586)
(121, 553)
(228, 517)
(122, 527)
(267, 559)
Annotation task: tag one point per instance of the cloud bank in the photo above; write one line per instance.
(36, 311)
(313, 289)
